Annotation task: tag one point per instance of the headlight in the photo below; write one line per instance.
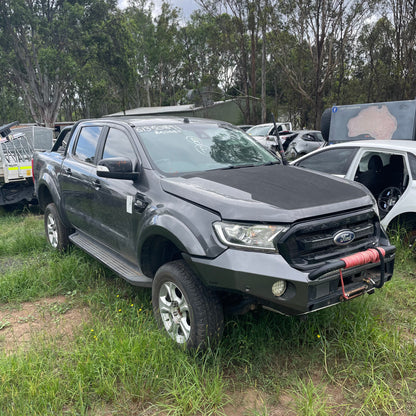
(255, 236)
(375, 205)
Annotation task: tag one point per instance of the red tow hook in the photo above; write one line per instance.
(372, 255)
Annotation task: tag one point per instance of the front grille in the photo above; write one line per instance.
(309, 244)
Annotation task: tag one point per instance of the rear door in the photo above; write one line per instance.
(75, 176)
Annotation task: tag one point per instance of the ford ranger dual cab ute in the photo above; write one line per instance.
(210, 220)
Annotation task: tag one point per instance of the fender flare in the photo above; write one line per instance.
(177, 232)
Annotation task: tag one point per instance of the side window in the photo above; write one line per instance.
(87, 144)
(373, 161)
(118, 144)
(334, 161)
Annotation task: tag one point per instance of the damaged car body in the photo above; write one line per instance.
(210, 220)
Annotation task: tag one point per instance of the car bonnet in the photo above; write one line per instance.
(272, 193)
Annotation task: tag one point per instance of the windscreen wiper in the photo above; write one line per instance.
(248, 165)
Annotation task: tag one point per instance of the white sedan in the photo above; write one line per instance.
(386, 168)
(266, 134)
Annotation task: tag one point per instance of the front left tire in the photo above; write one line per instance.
(190, 313)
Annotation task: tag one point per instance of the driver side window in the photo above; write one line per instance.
(118, 144)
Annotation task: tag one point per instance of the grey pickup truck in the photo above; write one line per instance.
(210, 220)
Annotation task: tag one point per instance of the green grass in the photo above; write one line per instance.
(357, 358)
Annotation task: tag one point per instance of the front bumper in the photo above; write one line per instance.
(253, 274)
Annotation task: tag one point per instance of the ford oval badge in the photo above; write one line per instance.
(344, 237)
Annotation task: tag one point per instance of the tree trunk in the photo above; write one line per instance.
(263, 71)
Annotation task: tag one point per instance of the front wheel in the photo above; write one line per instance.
(56, 232)
(190, 313)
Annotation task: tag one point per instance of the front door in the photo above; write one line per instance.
(115, 200)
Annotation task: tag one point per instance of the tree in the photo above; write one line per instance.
(39, 38)
(205, 57)
(245, 26)
(403, 15)
(140, 23)
(377, 66)
(321, 29)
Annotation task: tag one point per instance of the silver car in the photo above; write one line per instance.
(303, 142)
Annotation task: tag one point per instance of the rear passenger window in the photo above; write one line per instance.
(86, 146)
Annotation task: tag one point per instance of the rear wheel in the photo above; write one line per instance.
(56, 232)
(190, 313)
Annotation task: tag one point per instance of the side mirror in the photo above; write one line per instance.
(116, 168)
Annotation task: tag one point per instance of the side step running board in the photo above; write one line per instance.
(106, 256)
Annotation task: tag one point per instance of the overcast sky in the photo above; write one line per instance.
(187, 6)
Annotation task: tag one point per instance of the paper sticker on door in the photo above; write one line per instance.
(129, 204)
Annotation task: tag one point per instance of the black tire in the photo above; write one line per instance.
(56, 232)
(190, 313)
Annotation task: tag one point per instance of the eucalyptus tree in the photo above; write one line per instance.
(157, 54)
(246, 32)
(39, 38)
(312, 49)
(376, 66)
(12, 107)
(166, 56)
(402, 14)
(206, 57)
(142, 29)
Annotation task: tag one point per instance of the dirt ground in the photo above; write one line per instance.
(36, 321)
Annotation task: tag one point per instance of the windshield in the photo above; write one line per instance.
(199, 147)
(260, 130)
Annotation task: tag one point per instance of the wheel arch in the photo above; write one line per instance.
(44, 196)
(156, 251)
(165, 239)
(47, 190)
(404, 220)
